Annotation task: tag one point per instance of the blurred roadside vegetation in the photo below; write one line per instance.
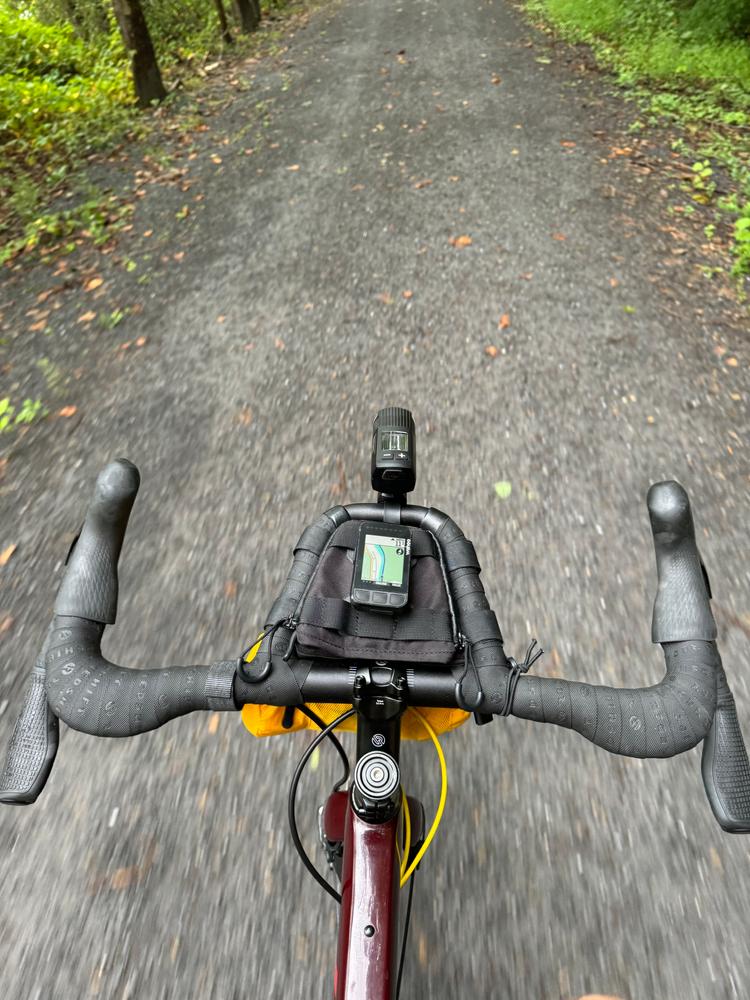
(687, 61)
(66, 89)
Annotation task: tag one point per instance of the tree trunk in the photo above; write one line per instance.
(71, 13)
(146, 75)
(248, 14)
(226, 34)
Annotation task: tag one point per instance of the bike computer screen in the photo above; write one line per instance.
(381, 567)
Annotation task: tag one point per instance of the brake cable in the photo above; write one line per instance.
(441, 804)
(293, 796)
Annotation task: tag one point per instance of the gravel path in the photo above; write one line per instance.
(161, 867)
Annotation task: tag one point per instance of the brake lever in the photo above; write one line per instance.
(682, 612)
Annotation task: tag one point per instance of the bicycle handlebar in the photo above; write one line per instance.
(74, 682)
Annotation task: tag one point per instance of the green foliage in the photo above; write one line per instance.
(701, 186)
(694, 40)
(97, 218)
(60, 98)
(29, 411)
(742, 242)
(694, 57)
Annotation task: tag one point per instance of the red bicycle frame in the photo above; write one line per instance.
(366, 963)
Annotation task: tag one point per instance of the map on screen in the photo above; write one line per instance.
(383, 560)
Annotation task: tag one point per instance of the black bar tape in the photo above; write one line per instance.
(724, 765)
(89, 587)
(481, 625)
(313, 539)
(659, 721)
(460, 554)
(94, 696)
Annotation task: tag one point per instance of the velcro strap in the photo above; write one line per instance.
(416, 624)
(422, 542)
(479, 625)
(460, 554)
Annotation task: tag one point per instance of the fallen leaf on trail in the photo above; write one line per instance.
(628, 309)
(213, 723)
(149, 232)
(67, 411)
(279, 344)
(504, 322)
(93, 283)
(650, 419)
(357, 187)
(568, 143)
(5, 623)
(461, 241)
(7, 553)
(423, 184)
(87, 317)
(614, 282)
(715, 859)
(407, 294)
(230, 590)
(183, 213)
(491, 350)
(220, 319)
(249, 152)
(140, 341)
(621, 151)
(179, 255)
(559, 236)
(385, 298)
(454, 179)
(216, 158)
(43, 296)
(245, 416)
(543, 59)
(36, 327)
(503, 489)
(515, 152)
(294, 166)
(495, 78)
(732, 362)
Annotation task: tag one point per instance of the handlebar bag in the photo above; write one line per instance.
(329, 626)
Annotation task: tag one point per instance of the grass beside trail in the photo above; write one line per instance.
(687, 61)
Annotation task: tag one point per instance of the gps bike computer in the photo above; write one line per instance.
(381, 567)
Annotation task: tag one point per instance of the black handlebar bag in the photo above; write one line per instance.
(330, 626)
